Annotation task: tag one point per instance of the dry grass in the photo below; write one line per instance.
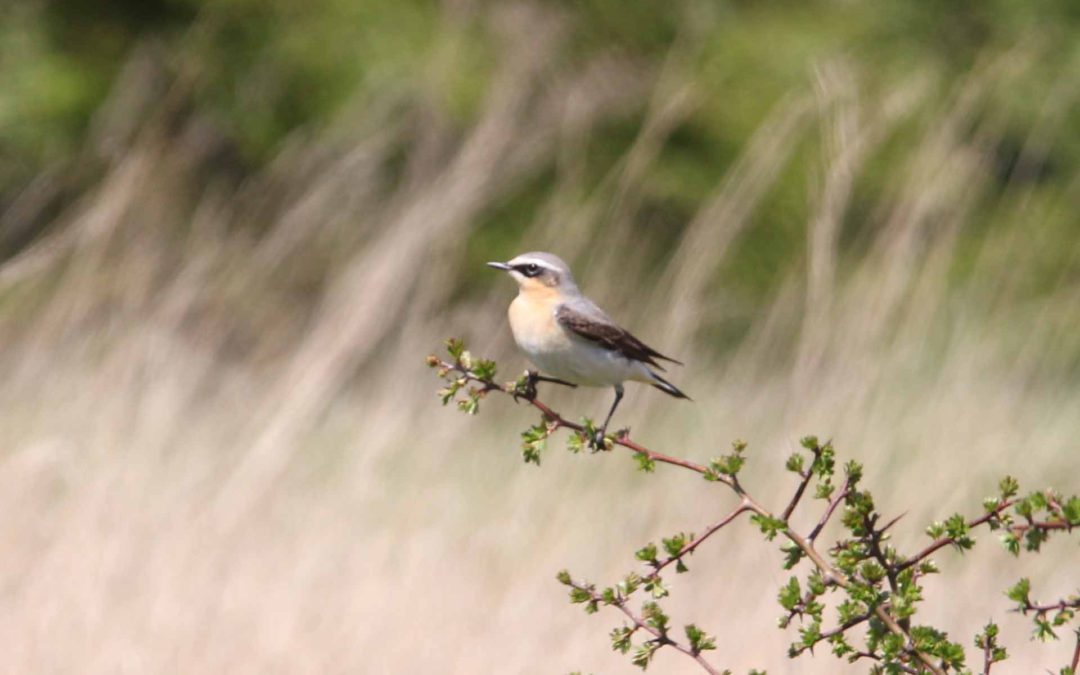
(222, 452)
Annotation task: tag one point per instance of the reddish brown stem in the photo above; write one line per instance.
(640, 624)
(829, 511)
(945, 541)
(842, 628)
(690, 546)
(1076, 654)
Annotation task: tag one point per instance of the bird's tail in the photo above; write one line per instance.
(667, 387)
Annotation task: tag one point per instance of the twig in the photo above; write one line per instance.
(945, 541)
(1073, 603)
(988, 656)
(662, 638)
(806, 477)
(842, 628)
(1076, 654)
(691, 545)
(561, 422)
(829, 511)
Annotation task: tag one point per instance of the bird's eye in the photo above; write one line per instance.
(531, 270)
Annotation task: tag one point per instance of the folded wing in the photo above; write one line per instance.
(593, 325)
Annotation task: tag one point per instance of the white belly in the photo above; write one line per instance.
(559, 353)
(588, 365)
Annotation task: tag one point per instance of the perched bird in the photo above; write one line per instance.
(567, 336)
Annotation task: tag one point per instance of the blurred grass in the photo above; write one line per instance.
(231, 231)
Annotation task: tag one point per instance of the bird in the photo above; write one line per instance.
(567, 336)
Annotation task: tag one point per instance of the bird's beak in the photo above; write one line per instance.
(499, 266)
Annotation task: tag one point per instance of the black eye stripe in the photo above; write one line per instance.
(529, 269)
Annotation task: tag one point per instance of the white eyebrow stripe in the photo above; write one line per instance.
(534, 261)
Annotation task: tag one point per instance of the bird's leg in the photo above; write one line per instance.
(528, 389)
(598, 439)
(554, 380)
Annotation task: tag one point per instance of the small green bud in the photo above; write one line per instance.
(1009, 487)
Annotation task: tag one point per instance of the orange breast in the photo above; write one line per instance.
(532, 319)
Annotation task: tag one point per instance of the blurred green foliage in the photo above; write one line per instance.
(59, 56)
(267, 68)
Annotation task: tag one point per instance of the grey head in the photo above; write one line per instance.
(539, 269)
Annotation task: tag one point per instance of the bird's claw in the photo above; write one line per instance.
(599, 441)
(526, 387)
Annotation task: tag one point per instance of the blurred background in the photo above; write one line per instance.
(230, 231)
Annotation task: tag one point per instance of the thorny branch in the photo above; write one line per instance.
(558, 421)
(694, 543)
(869, 538)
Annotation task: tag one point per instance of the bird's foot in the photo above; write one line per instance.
(525, 387)
(599, 441)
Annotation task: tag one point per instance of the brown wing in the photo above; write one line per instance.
(609, 336)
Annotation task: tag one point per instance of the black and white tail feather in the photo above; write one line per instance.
(667, 387)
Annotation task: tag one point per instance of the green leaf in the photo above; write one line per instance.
(675, 544)
(1020, 592)
(609, 596)
(484, 369)
(579, 595)
(576, 443)
(647, 553)
(792, 554)
(629, 584)
(655, 617)
(700, 641)
(810, 634)
(1011, 542)
(645, 462)
(456, 348)
(770, 526)
(643, 654)
(790, 594)
(728, 465)
(928, 566)
(1009, 487)
(854, 471)
(1071, 511)
(824, 489)
(872, 571)
(470, 405)
(534, 441)
(824, 461)
(620, 639)
(655, 586)
(1043, 631)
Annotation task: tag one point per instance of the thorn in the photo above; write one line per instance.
(893, 522)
